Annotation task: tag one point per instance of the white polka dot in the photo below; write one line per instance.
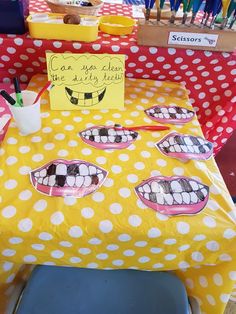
(139, 165)
(189, 283)
(129, 253)
(161, 162)
(225, 257)
(124, 192)
(25, 195)
(75, 232)
(183, 227)
(132, 178)
(170, 241)
(224, 297)
(106, 226)
(9, 211)
(217, 278)
(95, 241)
(212, 246)
(24, 149)
(8, 252)
(87, 212)
(84, 251)
(124, 157)
(37, 157)
(118, 262)
(11, 140)
(86, 151)
(98, 197)
(116, 169)
(112, 247)
(92, 265)
(11, 160)
(38, 247)
(15, 240)
(178, 171)
(210, 299)
(57, 218)
(170, 257)
(199, 237)
(197, 256)
(184, 265)
(203, 281)
(7, 266)
(134, 220)
(154, 233)
(29, 258)
(162, 217)
(10, 184)
(70, 200)
(140, 243)
(158, 265)
(73, 143)
(102, 256)
(65, 244)
(75, 260)
(232, 275)
(25, 225)
(209, 222)
(63, 153)
(115, 208)
(101, 160)
(57, 254)
(124, 237)
(45, 236)
(144, 259)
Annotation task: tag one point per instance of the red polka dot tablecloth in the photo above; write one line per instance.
(209, 76)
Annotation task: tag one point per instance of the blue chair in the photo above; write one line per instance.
(66, 290)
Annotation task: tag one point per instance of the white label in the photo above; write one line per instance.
(193, 39)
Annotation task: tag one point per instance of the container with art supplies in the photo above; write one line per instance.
(63, 26)
(185, 28)
(77, 7)
(13, 15)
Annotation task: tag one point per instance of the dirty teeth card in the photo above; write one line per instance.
(86, 81)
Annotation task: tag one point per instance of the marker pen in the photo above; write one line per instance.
(19, 100)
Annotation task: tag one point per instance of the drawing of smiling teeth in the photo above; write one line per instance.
(82, 99)
(106, 137)
(173, 195)
(61, 177)
(165, 114)
(185, 146)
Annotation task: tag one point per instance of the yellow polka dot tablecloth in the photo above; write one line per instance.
(112, 228)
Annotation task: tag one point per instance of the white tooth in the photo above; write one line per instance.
(206, 148)
(88, 132)
(193, 197)
(146, 195)
(184, 110)
(165, 144)
(43, 173)
(184, 116)
(104, 139)
(156, 115)
(87, 181)
(70, 180)
(177, 148)
(196, 149)
(129, 138)
(45, 181)
(194, 185)
(204, 192)
(186, 198)
(100, 177)
(160, 115)
(111, 132)
(178, 198)
(160, 198)
(175, 186)
(155, 187)
(178, 115)
(52, 180)
(111, 139)
(83, 170)
(95, 131)
(191, 149)
(97, 139)
(188, 141)
(164, 110)
(184, 148)
(83, 133)
(168, 199)
(99, 171)
(92, 170)
(172, 110)
(120, 132)
(172, 141)
(151, 111)
(79, 181)
(166, 115)
(140, 189)
(127, 132)
(172, 149)
(201, 141)
(124, 139)
(87, 137)
(61, 169)
(40, 180)
(36, 174)
(189, 115)
(146, 188)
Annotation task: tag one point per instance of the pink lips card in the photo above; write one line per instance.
(184, 146)
(177, 195)
(108, 137)
(61, 177)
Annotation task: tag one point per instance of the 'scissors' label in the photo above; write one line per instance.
(193, 39)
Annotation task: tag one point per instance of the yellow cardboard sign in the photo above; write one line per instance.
(86, 81)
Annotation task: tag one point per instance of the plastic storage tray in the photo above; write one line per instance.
(63, 31)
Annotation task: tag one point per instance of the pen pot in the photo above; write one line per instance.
(27, 118)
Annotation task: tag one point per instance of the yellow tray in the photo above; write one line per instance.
(62, 31)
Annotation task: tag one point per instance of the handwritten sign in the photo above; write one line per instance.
(86, 81)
